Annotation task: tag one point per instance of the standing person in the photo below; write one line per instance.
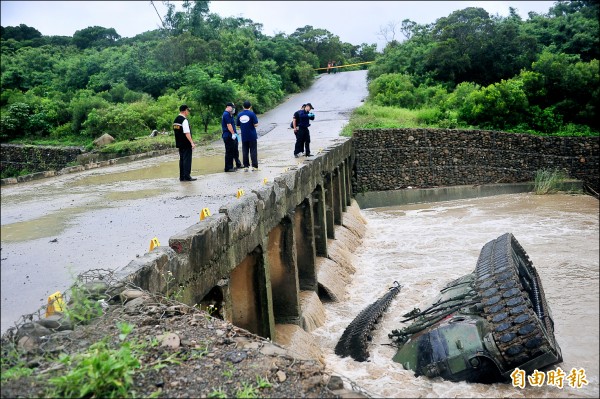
(247, 121)
(295, 127)
(301, 123)
(230, 138)
(185, 143)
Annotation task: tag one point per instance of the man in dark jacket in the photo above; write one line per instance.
(300, 123)
(229, 135)
(183, 141)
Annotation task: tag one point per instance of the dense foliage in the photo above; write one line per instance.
(466, 69)
(474, 69)
(77, 88)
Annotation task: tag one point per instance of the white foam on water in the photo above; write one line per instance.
(425, 246)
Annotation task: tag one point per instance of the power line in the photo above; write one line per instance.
(157, 13)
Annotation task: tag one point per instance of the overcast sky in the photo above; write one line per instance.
(355, 22)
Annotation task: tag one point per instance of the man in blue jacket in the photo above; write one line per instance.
(300, 123)
(247, 121)
(229, 136)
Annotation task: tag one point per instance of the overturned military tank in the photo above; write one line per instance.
(479, 329)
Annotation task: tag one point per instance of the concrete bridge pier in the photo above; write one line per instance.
(256, 263)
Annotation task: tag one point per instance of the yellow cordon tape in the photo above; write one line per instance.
(344, 66)
(154, 243)
(204, 213)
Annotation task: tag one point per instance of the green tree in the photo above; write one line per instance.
(82, 104)
(95, 36)
(366, 52)
(324, 44)
(265, 85)
(122, 121)
(191, 19)
(571, 86)
(293, 62)
(460, 46)
(393, 90)
(239, 53)
(571, 27)
(209, 94)
(500, 105)
(29, 67)
(13, 121)
(19, 33)
(177, 52)
(406, 57)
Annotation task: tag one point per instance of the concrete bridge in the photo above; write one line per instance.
(258, 261)
(264, 262)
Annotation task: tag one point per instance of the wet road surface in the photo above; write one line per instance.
(55, 228)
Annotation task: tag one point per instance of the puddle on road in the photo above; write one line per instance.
(200, 166)
(55, 223)
(133, 195)
(45, 226)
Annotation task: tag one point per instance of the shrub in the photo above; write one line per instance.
(499, 105)
(99, 372)
(547, 181)
(393, 90)
(11, 122)
(429, 116)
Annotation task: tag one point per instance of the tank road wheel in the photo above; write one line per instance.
(514, 303)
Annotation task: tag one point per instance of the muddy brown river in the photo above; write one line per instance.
(425, 246)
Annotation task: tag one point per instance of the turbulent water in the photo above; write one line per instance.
(427, 245)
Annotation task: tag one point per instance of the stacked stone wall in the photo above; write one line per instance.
(37, 158)
(391, 159)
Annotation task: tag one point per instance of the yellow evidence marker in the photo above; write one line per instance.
(204, 213)
(154, 243)
(55, 303)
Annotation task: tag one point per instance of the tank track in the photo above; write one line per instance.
(355, 339)
(513, 302)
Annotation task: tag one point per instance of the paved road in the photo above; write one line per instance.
(56, 228)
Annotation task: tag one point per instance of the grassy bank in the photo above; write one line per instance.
(371, 116)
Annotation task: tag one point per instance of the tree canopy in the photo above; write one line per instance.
(540, 74)
(103, 83)
(481, 69)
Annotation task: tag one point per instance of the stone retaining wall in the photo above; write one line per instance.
(391, 159)
(36, 158)
(85, 161)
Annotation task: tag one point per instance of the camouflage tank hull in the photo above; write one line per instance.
(483, 325)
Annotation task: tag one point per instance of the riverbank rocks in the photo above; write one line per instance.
(104, 140)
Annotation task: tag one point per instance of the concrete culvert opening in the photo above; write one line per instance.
(213, 302)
